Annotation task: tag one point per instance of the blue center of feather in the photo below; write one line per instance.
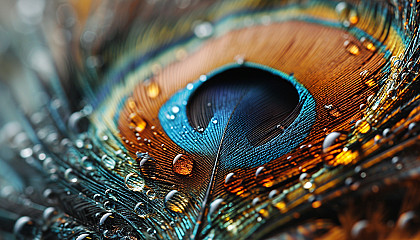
(244, 115)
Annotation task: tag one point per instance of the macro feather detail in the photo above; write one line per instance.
(210, 120)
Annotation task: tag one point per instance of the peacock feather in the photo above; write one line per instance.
(187, 119)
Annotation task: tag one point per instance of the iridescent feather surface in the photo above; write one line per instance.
(195, 119)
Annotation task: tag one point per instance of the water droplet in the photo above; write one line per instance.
(26, 152)
(307, 182)
(87, 163)
(409, 222)
(152, 89)
(25, 228)
(264, 177)
(49, 213)
(233, 184)
(273, 194)
(108, 162)
(183, 164)
(351, 47)
(347, 15)
(360, 230)
(331, 140)
(105, 218)
(255, 201)
(141, 210)
(362, 126)
(214, 121)
(137, 123)
(110, 204)
(175, 109)
(71, 176)
(97, 198)
(203, 29)
(151, 194)
(176, 201)
(190, 86)
(215, 208)
(368, 44)
(78, 122)
(333, 111)
(133, 182)
(50, 166)
(83, 236)
(240, 59)
(147, 165)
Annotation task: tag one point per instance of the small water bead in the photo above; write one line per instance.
(151, 194)
(273, 194)
(107, 217)
(83, 236)
(215, 207)
(367, 44)
(203, 29)
(233, 184)
(307, 182)
(362, 126)
(78, 122)
(240, 59)
(49, 213)
(214, 121)
(361, 230)
(190, 86)
(346, 14)
(175, 109)
(110, 204)
(50, 166)
(71, 176)
(333, 111)
(142, 209)
(137, 123)
(264, 177)
(97, 198)
(255, 201)
(108, 162)
(152, 89)
(351, 47)
(183, 164)
(176, 201)
(26, 152)
(133, 182)
(87, 163)
(147, 165)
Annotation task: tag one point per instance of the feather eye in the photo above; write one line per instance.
(227, 119)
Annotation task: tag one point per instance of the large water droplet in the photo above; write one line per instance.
(83, 236)
(147, 165)
(105, 218)
(409, 222)
(133, 182)
(176, 201)
(183, 164)
(331, 140)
